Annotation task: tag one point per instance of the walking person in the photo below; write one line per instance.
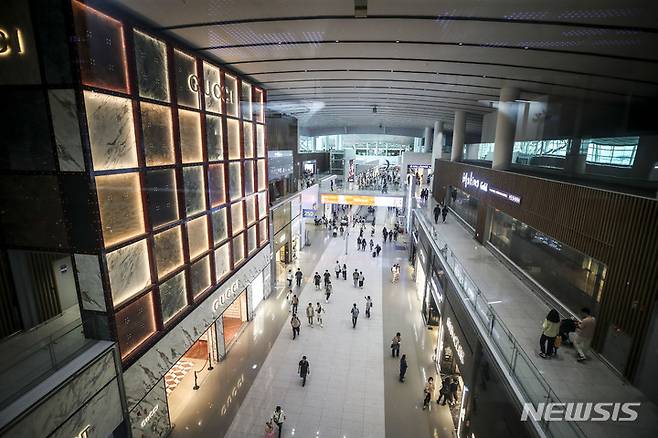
(378, 249)
(327, 277)
(395, 345)
(358, 243)
(304, 369)
(452, 392)
(355, 277)
(363, 244)
(444, 213)
(327, 291)
(298, 277)
(371, 244)
(337, 269)
(316, 280)
(437, 213)
(444, 392)
(295, 303)
(355, 315)
(403, 367)
(318, 313)
(289, 277)
(344, 271)
(428, 392)
(550, 329)
(384, 234)
(310, 313)
(362, 279)
(368, 306)
(582, 338)
(295, 323)
(269, 429)
(289, 300)
(279, 417)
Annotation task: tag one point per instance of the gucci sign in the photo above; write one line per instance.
(224, 298)
(11, 41)
(212, 90)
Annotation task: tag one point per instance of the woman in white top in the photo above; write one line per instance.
(550, 329)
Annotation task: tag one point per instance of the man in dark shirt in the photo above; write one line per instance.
(303, 369)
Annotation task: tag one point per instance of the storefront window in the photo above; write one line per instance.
(465, 205)
(574, 278)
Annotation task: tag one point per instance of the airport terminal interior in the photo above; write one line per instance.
(328, 218)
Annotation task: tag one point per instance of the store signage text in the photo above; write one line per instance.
(229, 293)
(213, 90)
(150, 415)
(468, 180)
(11, 41)
(84, 433)
(309, 212)
(455, 340)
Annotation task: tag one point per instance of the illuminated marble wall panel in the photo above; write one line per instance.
(222, 261)
(259, 97)
(248, 177)
(152, 73)
(168, 251)
(237, 219)
(161, 196)
(187, 83)
(200, 276)
(128, 269)
(216, 183)
(219, 225)
(101, 49)
(250, 205)
(195, 198)
(263, 230)
(135, 323)
(66, 128)
(260, 141)
(252, 242)
(157, 134)
(173, 296)
(245, 101)
(262, 175)
(120, 205)
(233, 132)
(234, 181)
(248, 132)
(111, 131)
(231, 95)
(197, 236)
(214, 138)
(190, 136)
(212, 88)
(238, 248)
(262, 205)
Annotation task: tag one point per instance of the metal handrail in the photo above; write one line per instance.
(492, 320)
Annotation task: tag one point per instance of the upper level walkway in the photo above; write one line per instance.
(521, 311)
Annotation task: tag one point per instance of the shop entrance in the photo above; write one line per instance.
(234, 318)
(180, 381)
(281, 257)
(449, 369)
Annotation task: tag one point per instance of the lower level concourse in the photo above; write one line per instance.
(353, 387)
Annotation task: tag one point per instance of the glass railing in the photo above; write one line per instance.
(534, 386)
(22, 371)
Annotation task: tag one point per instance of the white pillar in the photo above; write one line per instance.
(437, 143)
(458, 133)
(427, 145)
(505, 128)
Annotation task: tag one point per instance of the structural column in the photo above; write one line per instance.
(437, 143)
(505, 128)
(458, 133)
(427, 145)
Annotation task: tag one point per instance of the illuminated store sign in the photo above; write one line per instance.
(224, 298)
(11, 41)
(376, 201)
(468, 180)
(455, 340)
(84, 433)
(213, 90)
(150, 415)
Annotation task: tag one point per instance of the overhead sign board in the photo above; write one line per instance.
(374, 201)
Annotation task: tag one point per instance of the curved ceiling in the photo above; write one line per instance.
(417, 61)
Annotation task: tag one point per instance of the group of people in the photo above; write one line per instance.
(447, 392)
(391, 235)
(556, 331)
(440, 210)
(425, 194)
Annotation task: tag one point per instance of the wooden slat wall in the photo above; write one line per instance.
(618, 229)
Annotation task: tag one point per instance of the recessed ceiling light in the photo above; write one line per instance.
(337, 41)
(397, 41)
(525, 48)
(461, 44)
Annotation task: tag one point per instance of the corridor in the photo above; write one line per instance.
(353, 388)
